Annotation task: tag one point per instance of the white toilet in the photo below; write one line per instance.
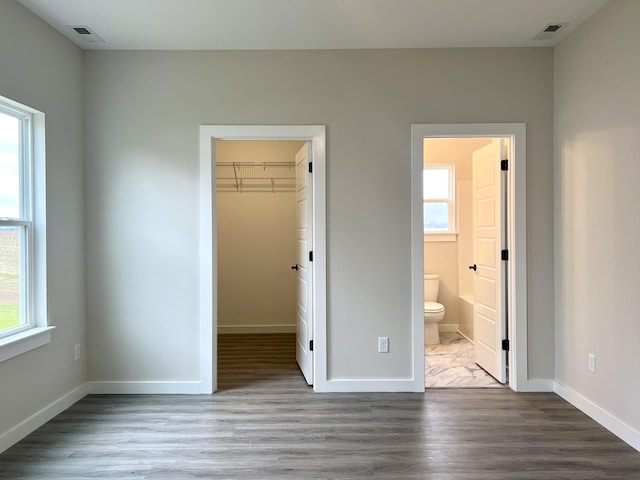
(433, 311)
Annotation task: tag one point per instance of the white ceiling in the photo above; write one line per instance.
(312, 24)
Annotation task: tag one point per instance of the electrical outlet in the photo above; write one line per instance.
(592, 363)
(383, 344)
(76, 351)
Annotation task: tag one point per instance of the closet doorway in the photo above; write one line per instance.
(262, 241)
(264, 221)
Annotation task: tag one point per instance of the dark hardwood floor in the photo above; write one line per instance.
(266, 423)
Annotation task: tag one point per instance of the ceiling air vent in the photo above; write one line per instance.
(84, 34)
(550, 31)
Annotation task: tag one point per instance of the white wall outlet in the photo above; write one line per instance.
(592, 363)
(76, 351)
(383, 344)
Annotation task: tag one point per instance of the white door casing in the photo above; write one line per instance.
(304, 233)
(489, 313)
(316, 135)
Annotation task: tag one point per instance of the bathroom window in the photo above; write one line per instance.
(23, 324)
(439, 196)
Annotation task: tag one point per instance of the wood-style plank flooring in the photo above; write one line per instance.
(266, 423)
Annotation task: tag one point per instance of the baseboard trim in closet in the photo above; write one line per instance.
(248, 329)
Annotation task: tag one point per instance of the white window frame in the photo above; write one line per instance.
(450, 234)
(34, 330)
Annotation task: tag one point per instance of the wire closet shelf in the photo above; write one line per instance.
(256, 177)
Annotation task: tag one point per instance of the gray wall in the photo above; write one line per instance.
(42, 69)
(143, 110)
(597, 173)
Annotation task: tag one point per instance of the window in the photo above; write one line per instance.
(22, 248)
(438, 194)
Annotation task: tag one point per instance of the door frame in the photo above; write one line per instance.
(208, 312)
(516, 237)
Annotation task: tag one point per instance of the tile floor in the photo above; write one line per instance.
(451, 364)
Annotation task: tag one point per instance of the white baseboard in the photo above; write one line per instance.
(536, 385)
(134, 388)
(373, 386)
(226, 329)
(447, 327)
(604, 418)
(35, 421)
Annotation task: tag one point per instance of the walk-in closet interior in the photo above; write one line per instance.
(256, 249)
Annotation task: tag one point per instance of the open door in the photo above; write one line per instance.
(304, 219)
(489, 312)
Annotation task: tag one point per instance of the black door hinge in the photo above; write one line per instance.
(505, 345)
(311, 256)
(504, 165)
(311, 345)
(505, 254)
(310, 167)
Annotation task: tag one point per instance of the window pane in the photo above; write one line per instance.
(9, 277)
(436, 216)
(436, 183)
(9, 166)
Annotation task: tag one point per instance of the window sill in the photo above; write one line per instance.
(440, 237)
(23, 342)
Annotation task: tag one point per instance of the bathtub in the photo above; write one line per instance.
(465, 316)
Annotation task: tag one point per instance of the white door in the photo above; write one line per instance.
(489, 319)
(304, 212)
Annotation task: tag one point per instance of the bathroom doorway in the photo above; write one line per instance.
(310, 247)
(483, 297)
(464, 215)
